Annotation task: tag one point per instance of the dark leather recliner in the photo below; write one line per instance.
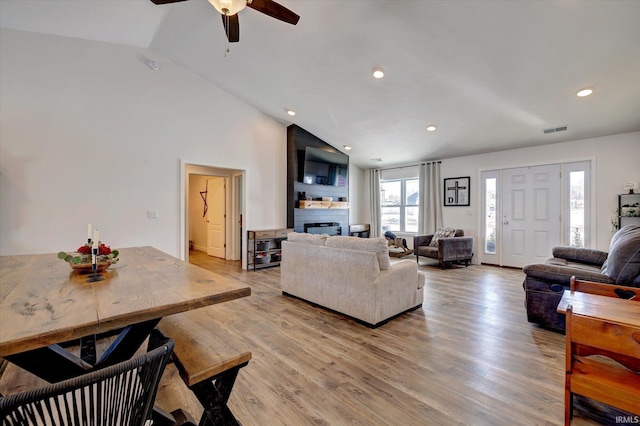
(545, 282)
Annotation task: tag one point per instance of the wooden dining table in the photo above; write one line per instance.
(44, 303)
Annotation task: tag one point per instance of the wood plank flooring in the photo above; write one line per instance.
(467, 357)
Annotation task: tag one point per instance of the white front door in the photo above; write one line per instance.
(530, 214)
(216, 218)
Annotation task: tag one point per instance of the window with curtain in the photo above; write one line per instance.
(399, 203)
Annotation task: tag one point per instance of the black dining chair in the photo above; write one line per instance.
(122, 394)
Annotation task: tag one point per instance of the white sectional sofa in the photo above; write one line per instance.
(350, 275)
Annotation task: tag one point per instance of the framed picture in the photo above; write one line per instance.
(456, 191)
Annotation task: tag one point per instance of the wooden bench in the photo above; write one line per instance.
(615, 384)
(208, 359)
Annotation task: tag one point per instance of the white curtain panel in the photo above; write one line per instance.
(374, 187)
(430, 188)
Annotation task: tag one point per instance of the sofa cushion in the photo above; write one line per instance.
(427, 251)
(623, 263)
(304, 238)
(442, 233)
(375, 245)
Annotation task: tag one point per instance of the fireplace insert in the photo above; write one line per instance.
(329, 228)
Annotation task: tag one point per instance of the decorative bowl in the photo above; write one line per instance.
(87, 268)
(81, 260)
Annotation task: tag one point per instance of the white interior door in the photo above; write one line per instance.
(531, 214)
(216, 235)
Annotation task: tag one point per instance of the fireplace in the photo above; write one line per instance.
(329, 228)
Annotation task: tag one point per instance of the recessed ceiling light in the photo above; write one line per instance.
(378, 73)
(432, 127)
(347, 147)
(584, 92)
(291, 112)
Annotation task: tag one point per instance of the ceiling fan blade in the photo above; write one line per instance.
(165, 1)
(273, 9)
(231, 27)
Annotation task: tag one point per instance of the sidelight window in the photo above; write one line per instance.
(577, 196)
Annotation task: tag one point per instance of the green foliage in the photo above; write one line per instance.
(78, 258)
(577, 238)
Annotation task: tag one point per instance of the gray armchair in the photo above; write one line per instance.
(447, 249)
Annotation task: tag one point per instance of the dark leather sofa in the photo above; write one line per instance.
(545, 283)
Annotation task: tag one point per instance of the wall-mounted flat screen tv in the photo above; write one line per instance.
(324, 168)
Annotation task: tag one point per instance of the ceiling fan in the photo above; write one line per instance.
(229, 10)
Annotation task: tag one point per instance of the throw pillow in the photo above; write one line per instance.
(442, 233)
(376, 245)
(310, 239)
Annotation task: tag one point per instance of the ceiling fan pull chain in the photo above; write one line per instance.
(226, 29)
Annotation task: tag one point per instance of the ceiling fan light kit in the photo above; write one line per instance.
(228, 7)
(229, 10)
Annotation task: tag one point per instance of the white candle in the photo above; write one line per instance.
(95, 239)
(89, 232)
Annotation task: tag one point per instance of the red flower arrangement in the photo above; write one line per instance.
(102, 249)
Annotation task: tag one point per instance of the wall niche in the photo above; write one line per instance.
(318, 186)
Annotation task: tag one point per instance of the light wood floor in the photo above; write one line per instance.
(467, 357)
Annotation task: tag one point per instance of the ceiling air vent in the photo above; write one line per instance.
(554, 129)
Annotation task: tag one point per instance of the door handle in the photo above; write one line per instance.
(505, 222)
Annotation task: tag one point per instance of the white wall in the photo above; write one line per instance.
(358, 195)
(617, 160)
(88, 133)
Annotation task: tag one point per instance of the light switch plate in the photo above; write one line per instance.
(152, 214)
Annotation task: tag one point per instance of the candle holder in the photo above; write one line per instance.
(95, 276)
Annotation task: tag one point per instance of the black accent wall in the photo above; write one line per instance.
(297, 140)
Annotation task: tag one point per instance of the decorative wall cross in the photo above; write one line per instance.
(456, 191)
(203, 194)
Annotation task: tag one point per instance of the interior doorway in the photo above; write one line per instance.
(207, 212)
(200, 183)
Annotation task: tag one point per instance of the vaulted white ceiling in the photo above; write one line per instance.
(490, 74)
